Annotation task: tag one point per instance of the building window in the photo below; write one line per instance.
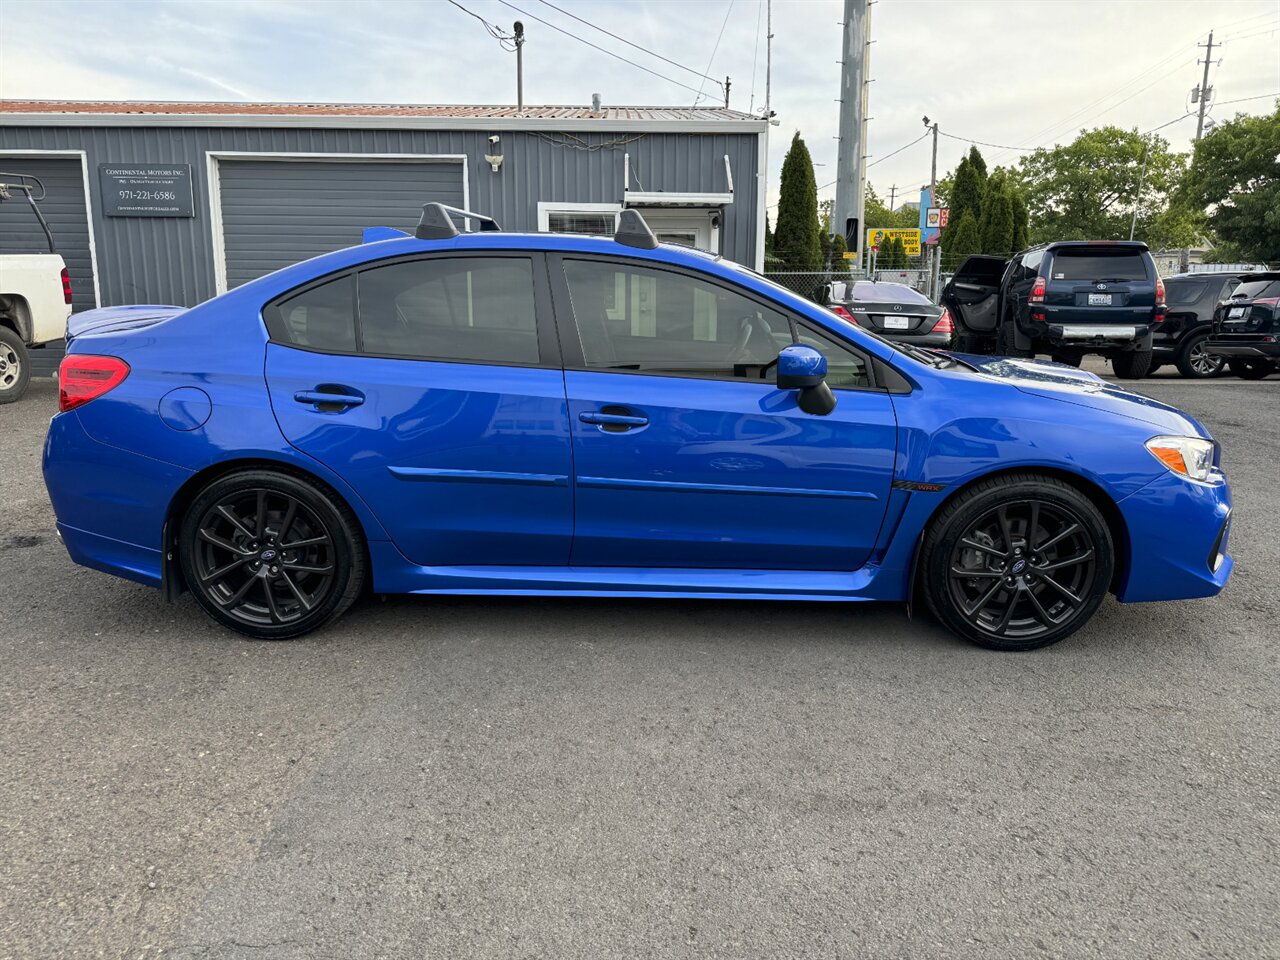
(599, 219)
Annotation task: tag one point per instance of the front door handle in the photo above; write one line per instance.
(613, 419)
(330, 397)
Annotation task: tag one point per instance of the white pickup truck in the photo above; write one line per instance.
(35, 296)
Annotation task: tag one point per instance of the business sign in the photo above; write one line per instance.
(932, 218)
(910, 239)
(146, 190)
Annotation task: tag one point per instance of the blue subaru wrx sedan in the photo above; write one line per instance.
(496, 413)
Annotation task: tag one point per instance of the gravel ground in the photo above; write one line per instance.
(556, 778)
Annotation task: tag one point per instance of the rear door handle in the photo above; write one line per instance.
(612, 419)
(338, 397)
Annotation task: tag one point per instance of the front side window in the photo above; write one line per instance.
(636, 318)
(1183, 293)
(477, 309)
(319, 318)
(844, 367)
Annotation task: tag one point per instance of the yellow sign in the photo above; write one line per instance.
(910, 239)
(850, 254)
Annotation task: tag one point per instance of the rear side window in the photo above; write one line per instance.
(1254, 289)
(1183, 293)
(477, 309)
(320, 318)
(1095, 264)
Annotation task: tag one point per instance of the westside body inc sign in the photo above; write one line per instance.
(877, 237)
(146, 190)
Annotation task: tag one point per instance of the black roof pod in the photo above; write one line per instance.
(634, 232)
(437, 222)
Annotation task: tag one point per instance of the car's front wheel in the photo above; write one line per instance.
(271, 555)
(1017, 562)
(1196, 362)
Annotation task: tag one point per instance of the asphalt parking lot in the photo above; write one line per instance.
(551, 778)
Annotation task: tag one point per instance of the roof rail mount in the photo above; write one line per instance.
(437, 222)
(634, 232)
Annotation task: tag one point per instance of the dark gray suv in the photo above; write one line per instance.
(1063, 299)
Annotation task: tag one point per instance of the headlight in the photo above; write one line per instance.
(1190, 456)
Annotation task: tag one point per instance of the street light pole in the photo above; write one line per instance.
(934, 264)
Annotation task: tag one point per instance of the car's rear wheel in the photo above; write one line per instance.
(1196, 362)
(1251, 369)
(1008, 340)
(271, 555)
(1017, 562)
(15, 368)
(1133, 365)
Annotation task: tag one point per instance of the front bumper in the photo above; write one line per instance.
(1179, 538)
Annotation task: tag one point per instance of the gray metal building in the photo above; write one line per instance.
(270, 184)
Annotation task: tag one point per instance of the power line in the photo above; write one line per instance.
(981, 143)
(1262, 96)
(593, 46)
(878, 160)
(629, 43)
(504, 38)
(719, 36)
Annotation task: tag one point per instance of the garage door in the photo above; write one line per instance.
(275, 213)
(64, 207)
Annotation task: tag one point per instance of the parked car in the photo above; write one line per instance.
(893, 310)
(35, 294)
(1183, 336)
(497, 413)
(1246, 327)
(1063, 299)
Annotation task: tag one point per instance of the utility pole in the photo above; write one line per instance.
(1205, 89)
(768, 56)
(850, 169)
(519, 40)
(893, 192)
(934, 262)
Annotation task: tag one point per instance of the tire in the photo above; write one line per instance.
(1133, 365)
(972, 547)
(1008, 343)
(1251, 369)
(1074, 360)
(1196, 363)
(15, 366)
(241, 569)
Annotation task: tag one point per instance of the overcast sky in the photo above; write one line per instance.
(1013, 72)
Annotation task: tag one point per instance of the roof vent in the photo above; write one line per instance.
(595, 103)
(634, 232)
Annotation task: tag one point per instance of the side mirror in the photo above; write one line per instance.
(805, 369)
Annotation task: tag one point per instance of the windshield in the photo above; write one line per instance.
(1094, 264)
(1253, 289)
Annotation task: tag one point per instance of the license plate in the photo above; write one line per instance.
(1235, 312)
(897, 323)
(1099, 299)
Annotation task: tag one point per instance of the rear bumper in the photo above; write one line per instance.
(1250, 350)
(1182, 560)
(940, 340)
(1093, 331)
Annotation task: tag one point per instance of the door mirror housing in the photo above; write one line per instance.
(805, 369)
(800, 367)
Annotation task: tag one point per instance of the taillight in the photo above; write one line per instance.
(1267, 302)
(1037, 291)
(945, 324)
(843, 314)
(82, 378)
(1159, 292)
(66, 285)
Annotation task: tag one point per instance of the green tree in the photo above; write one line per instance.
(768, 237)
(839, 265)
(997, 221)
(966, 197)
(876, 213)
(1020, 225)
(1235, 176)
(796, 237)
(1089, 189)
(965, 239)
(975, 160)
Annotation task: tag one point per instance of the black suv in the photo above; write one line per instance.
(1246, 327)
(1065, 299)
(1181, 339)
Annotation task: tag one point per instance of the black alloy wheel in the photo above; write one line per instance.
(1196, 362)
(1017, 562)
(270, 555)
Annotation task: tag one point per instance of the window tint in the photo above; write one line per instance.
(479, 309)
(1097, 265)
(635, 318)
(844, 367)
(321, 318)
(1181, 293)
